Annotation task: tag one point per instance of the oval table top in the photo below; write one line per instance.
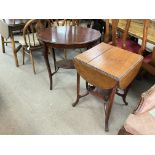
(69, 36)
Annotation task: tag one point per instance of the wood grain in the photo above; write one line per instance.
(114, 63)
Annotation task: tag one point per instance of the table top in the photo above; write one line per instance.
(136, 29)
(109, 60)
(69, 36)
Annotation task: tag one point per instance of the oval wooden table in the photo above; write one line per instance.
(67, 37)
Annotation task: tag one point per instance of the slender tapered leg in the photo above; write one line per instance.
(78, 91)
(125, 94)
(45, 54)
(108, 107)
(23, 51)
(32, 61)
(3, 46)
(65, 54)
(54, 59)
(14, 50)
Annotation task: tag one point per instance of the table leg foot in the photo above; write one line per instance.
(3, 46)
(124, 100)
(76, 102)
(124, 94)
(106, 127)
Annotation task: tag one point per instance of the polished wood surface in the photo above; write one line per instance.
(113, 62)
(108, 68)
(136, 29)
(69, 36)
(66, 37)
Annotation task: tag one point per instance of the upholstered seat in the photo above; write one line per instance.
(148, 58)
(142, 121)
(149, 63)
(141, 124)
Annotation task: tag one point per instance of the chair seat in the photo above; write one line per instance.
(143, 119)
(143, 124)
(22, 41)
(130, 45)
(147, 59)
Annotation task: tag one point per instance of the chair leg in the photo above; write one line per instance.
(3, 46)
(23, 51)
(6, 43)
(14, 50)
(32, 61)
(65, 53)
(77, 91)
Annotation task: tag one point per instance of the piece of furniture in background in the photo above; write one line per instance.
(149, 63)
(29, 40)
(136, 28)
(66, 37)
(65, 22)
(99, 24)
(11, 27)
(124, 40)
(142, 121)
(106, 67)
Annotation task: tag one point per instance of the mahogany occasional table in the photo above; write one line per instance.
(66, 37)
(106, 68)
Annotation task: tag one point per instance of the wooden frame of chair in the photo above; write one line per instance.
(29, 34)
(5, 42)
(125, 33)
(150, 67)
(11, 30)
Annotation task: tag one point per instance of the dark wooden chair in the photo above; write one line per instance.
(149, 63)
(29, 41)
